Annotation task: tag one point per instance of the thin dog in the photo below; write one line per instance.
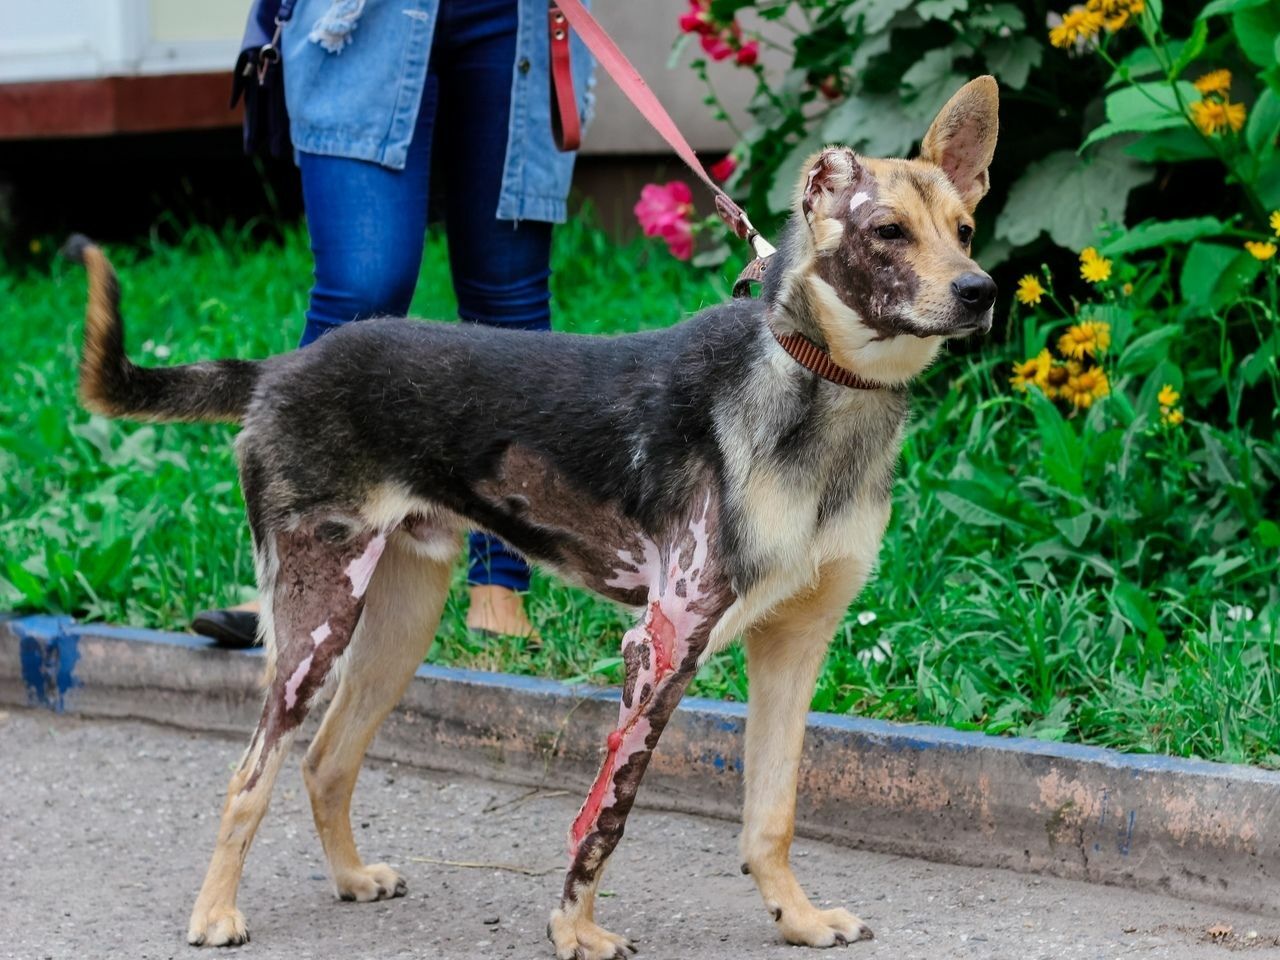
(726, 477)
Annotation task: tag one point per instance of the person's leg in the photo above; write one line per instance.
(367, 226)
(500, 269)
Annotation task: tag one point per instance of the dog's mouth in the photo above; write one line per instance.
(968, 326)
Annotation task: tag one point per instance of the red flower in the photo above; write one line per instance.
(748, 53)
(716, 47)
(663, 211)
(830, 87)
(723, 169)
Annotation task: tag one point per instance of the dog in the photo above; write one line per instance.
(729, 476)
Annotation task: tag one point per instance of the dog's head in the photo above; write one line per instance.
(882, 248)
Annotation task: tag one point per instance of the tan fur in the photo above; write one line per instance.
(97, 326)
(402, 610)
(784, 654)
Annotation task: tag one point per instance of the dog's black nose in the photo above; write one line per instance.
(976, 291)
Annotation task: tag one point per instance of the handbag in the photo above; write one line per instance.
(259, 78)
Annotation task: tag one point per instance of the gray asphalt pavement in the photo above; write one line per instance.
(105, 828)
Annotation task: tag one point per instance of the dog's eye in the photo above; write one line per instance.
(966, 233)
(890, 231)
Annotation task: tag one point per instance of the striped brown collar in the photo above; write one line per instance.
(813, 358)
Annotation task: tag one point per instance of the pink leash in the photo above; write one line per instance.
(628, 78)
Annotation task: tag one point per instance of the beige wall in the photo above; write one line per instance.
(177, 20)
(645, 30)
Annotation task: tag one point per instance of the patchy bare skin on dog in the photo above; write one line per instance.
(697, 474)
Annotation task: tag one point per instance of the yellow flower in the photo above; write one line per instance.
(1168, 396)
(1215, 116)
(1115, 13)
(1260, 250)
(1078, 23)
(1170, 416)
(1035, 370)
(1085, 386)
(1218, 81)
(1093, 267)
(1029, 290)
(1275, 222)
(1127, 289)
(1090, 338)
(35, 246)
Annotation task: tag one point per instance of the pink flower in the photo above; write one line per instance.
(748, 53)
(723, 169)
(716, 47)
(697, 19)
(663, 211)
(693, 22)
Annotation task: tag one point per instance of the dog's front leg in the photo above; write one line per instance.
(784, 655)
(661, 654)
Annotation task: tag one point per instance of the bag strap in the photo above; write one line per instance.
(632, 84)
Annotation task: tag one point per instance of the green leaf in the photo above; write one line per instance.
(940, 9)
(1264, 123)
(1218, 7)
(780, 192)
(997, 17)
(1074, 529)
(1268, 533)
(1192, 48)
(874, 15)
(1161, 233)
(1135, 606)
(930, 83)
(971, 512)
(1011, 59)
(1256, 26)
(1142, 107)
(1060, 450)
(873, 125)
(1213, 274)
(1068, 196)
(1143, 353)
(1170, 146)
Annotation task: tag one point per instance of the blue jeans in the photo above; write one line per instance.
(367, 223)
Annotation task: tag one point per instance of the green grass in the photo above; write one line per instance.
(971, 621)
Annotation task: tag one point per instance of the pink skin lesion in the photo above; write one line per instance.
(360, 570)
(677, 594)
(318, 636)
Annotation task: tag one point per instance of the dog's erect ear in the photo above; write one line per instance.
(962, 139)
(826, 176)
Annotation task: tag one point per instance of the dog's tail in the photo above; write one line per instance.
(112, 385)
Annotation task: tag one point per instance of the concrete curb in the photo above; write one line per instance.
(1203, 831)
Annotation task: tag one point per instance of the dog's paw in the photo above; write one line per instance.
(220, 927)
(576, 938)
(808, 927)
(374, 882)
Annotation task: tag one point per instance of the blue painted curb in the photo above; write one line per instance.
(48, 650)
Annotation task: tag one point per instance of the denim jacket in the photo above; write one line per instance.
(362, 102)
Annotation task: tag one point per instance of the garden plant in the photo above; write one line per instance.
(1084, 543)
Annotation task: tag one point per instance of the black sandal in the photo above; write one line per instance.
(233, 629)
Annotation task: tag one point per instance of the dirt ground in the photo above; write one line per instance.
(105, 828)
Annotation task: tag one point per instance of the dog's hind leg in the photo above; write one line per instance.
(687, 598)
(784, 655)
(312, 579)
(401, 613)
